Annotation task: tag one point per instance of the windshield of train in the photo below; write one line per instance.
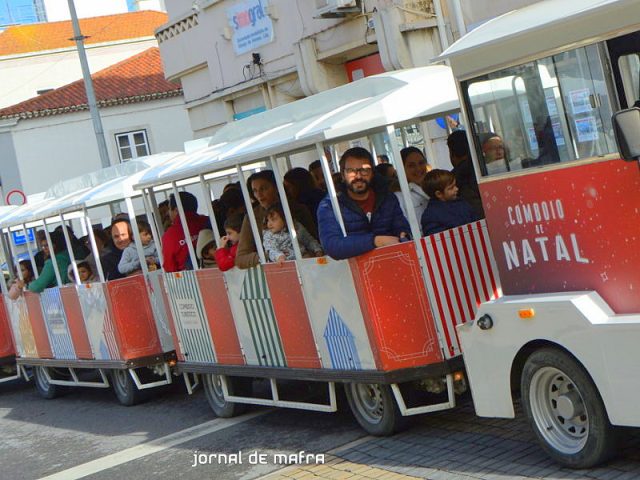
(555, 109)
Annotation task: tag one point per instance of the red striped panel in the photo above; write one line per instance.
(219, 317)
(463, 274)
(291, 316)
(6, 340)
(75, 322)
(36, 318)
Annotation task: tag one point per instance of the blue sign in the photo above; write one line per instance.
(251, 25)
(18, 237)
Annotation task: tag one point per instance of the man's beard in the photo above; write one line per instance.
(359, 186)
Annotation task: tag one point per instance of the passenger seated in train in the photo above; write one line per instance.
(121, 237)
(494, 153)
(85, 272)
(415, 167)
(301, 187)
(15, 290)
(44, 253)
(277, 242)
(80, 250)
(175, 252)
(130, 263)
(463, 170)
(315, 169)
(371, 214)
(386, 171)
(206, 249)
(226, 255)
(263, 190)
(445, 210)
(47, 278)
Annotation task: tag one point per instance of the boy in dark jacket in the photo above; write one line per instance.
(444, 210)
(372, 216)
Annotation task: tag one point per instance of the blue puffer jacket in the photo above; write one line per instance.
(386, 219)
(440, 216)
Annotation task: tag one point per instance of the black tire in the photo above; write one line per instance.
(44, 388)
(375, 408)
(565, 410)
(213, 391)
(125, 388)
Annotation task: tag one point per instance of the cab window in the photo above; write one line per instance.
(551, 110)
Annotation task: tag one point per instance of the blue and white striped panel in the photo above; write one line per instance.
(341, 344)
(95, 311)
(155, 285)
(56, 322)
(190, 317)
(337, 293)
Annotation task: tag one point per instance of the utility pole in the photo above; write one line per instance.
(88, 86)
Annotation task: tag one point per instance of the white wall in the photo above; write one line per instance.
(23, 75)
(51, 149)
(59, 9)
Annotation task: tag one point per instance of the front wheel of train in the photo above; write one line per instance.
(565, 410)
(125, 388)
(375, 408)
(43, 386)
(215, 395)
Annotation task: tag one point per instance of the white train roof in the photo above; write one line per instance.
(540, 29)
(354, 109)
(96, 188)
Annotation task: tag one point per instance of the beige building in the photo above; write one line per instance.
(239, 57)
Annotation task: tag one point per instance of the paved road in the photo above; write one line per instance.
(86, 434)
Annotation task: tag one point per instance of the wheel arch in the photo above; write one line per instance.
(525, 352)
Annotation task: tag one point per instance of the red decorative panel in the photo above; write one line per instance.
(6, 340)
(394, 304)
(38, 327)
(132, 316)
(291, 315)
(219, 317)
(75, 322)
(569, 229)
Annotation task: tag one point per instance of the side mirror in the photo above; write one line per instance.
(626, 125)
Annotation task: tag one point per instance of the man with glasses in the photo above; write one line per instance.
(372, 216)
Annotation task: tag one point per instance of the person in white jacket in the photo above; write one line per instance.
(416, 168)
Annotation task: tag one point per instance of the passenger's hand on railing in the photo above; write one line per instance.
(384, 240)
(281, 259)
(20, 284)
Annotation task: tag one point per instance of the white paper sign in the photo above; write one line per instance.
(188, 314)
(251, 25)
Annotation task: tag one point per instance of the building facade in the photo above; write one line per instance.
(50, 138)
(239, 57)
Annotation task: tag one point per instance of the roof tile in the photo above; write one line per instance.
(135, 79)
(38, 37)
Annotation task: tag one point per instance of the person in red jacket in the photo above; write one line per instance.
(175, 251)
(226, 254)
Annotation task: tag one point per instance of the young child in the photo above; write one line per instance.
(444, 210)
(129, 261)
(85, 272)
(226, 255)
(278, 246)
(206, 248)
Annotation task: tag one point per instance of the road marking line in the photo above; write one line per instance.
(149, 448)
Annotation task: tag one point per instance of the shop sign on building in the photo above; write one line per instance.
(251, 25)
